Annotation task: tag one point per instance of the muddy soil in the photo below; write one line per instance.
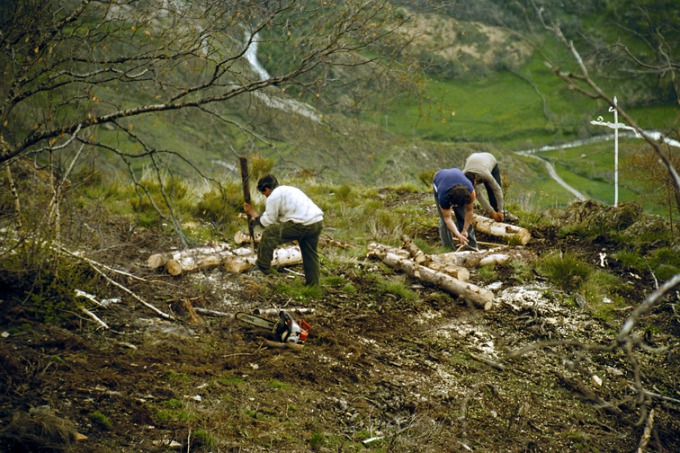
(381, 370)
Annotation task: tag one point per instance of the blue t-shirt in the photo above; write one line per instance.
(447, 178)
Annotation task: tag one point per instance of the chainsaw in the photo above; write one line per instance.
(285, 330)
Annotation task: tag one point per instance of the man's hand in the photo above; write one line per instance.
(250, 210)
(498, 216)
(463, 237)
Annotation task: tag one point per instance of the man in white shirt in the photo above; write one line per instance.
(289, 215)
(482, 168)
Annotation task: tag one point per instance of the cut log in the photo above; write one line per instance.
(418, 255)
(469, 259)
(158, 260)
(282, 257)
(502, 230)
(237, 260)
(241, 238)
(190, 263)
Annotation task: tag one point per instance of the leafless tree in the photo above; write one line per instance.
(75, 72)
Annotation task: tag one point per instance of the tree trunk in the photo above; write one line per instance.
(506, 231)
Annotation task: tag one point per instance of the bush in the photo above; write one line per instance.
(565, 270)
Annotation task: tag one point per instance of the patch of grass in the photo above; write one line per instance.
(631, 260)
(487, 273)
(297, 290)
(176, 377)
(203, 440)
(173, 404)
(100, 420)
(174, 416)
(396, 288)
(334, 280)
(600, 293)
(231, 380)
(565, 270)
(317, 440)
(279, 385)
(666, 260)
(522, 271)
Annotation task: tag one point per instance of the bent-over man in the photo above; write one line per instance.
(289, 215)
(454, 195)
(482, 168)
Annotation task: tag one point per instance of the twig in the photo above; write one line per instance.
(96, 263)
(93, 316)
(135, 296)
(489, 362)
(205, 311)
(647, 433)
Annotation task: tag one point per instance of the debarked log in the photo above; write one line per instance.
(502, 230)
(450, 268)
(282, 257)
(480, 297)
(237, 260)
(195, 261)
(470, 259)
(158, 260)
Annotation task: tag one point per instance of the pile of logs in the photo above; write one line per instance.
(450, 271)
(234, 260)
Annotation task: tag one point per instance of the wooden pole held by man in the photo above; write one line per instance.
(246, 195)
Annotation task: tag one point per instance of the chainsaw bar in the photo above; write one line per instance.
(256, 321)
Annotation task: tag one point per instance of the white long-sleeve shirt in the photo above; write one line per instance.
(482, 164)
(287, 203)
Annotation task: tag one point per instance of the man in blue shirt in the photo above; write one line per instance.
(454, 195)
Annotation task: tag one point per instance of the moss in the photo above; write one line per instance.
(100, 420)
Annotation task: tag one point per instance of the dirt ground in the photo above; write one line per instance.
(380, 371)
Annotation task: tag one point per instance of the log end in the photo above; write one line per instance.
(173, 267)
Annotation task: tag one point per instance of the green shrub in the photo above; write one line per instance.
(565, 270)
(221, 205)
(344, 193)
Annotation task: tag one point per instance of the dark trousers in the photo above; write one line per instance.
(496, 173)
(445, 234)
(306, 235)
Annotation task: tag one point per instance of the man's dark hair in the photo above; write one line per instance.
(267, 182)
(458, 195)
(471, 176)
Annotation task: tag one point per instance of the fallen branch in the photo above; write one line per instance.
(489, 362)
(275, 311)
(205, 311)
(644, 441)
(115, 283)
(93, 316)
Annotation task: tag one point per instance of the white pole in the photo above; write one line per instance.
(616, 154)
